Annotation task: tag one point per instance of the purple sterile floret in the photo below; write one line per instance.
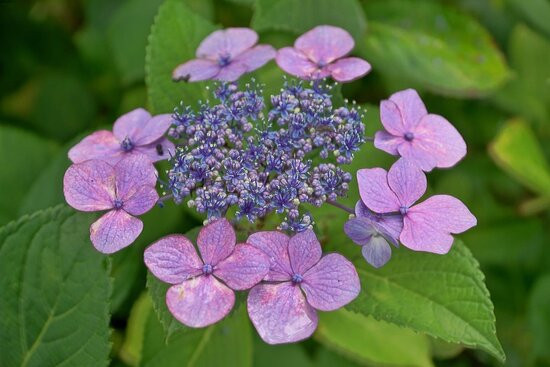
(428, 140)
(319, 53)
(285, 312)
(225, 55)
(202, 287)
(134, 133)
(126, 189)
(427, 226)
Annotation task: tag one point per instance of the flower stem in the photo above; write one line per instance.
(369, 138)
(341, 206)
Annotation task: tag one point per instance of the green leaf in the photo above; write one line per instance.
(298, 16)
(517, 151)
(127, 36)
(130, 352)
(174, 37)
(368, 341)
(536, 12)
(446, 296)
(288, 355)
(432, 46)
(227, 343)
(539, 317)
(22, 157)
(55, 292)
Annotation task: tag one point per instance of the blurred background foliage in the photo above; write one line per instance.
(69, 67)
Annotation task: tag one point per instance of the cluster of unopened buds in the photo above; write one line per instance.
(233, 159)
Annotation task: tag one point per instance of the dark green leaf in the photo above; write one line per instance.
(539, 317)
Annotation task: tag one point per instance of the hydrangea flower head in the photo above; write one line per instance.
(202, 287)
(319, 53)
(428, 140)
(300, 281)
(427, 226)
(374, 232)
(125, 190)
(225, 55)
(134, 133)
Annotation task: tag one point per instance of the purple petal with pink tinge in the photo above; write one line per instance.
(216, 241)
(141, 201)
(428, 225)
(407, 181)
(332, 283)
(115, 230)
(388, 225)
(90, 186)
(360, 230)
(99, 145)
(410, 106)
(437, 136)
(173, 259)
(387, 142)
(392, 119)
(228, 42)
(245, 268)
(196, 70)
(324, 44)
(200, 301)
(231, 72)
(415, 152)
(297, 64)
(132, 172)
(157, 151)
(377, 252)
(275, 245)
(348, 69)
(280, 313)
(375, 191)
(152, 130)
(304, 251)
(256, 57)
(130, 124)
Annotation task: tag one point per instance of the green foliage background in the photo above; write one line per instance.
(68, 67)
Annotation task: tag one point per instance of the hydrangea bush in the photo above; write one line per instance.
(245, 161)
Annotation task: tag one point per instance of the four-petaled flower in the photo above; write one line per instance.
(198, 296)
(225, 55)
(372, 232)
(125, 190)
(426, 226)
(319, 53)
(426, 139)
(134, 133)
(299, 282)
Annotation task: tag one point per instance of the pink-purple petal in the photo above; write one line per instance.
(131, 173)
(196, 70)
(275, 245)
(332, 283)
(348, 69)
(324, 44)
(304, 251)
(389, 225)
(153, 129)
(407, 181)
(428, 226)
(141, 201)
(375, 191)
(296, 63)
(392, 119)
(231, 72)
(200, 301)
(245, 268)
(114, 231)
(411, 107)
(216, 241)
(377, 251)
(90, 186)
(387, 142)
(359, 230)
(256, 57)
(227, 42)
(101, 144)
(440, 138)
(415, 152)
(130, 124)
(173, 259)
(157, 151)
(280, 313)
